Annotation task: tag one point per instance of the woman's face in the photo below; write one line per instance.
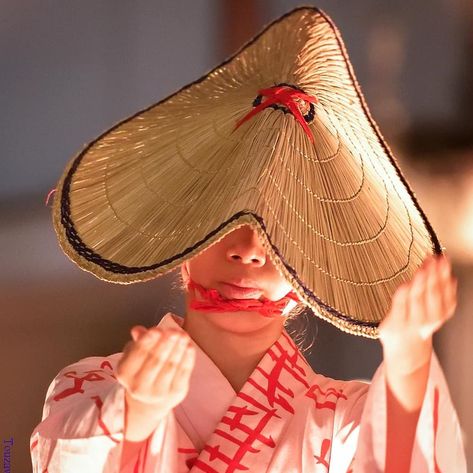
(238, 258)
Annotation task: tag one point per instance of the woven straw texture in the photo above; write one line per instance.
(336, 215)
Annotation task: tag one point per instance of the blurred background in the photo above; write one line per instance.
(71, 70)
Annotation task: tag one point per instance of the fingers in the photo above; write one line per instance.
(160, 356)
(135, 354)
(433, 300)
(449, 285)
(440, 295)
(396, 316)
(138, 331)
(427, 300)
(417, 296)
(180, 381)
(150, 364)
(156, 365)
(420, 307)
(452, 298)
(399, 302)
(174, 374)
(427, 321)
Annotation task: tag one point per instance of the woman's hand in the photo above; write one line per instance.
(155, 370)
(419, 308)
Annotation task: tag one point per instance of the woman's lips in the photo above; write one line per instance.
(237, 292)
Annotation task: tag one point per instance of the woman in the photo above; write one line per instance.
(338, 422)
(270, 175)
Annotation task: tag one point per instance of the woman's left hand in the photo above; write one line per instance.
(419, 308)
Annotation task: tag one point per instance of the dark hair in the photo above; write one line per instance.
(298, 325)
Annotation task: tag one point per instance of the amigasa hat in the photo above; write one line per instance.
(278, 137)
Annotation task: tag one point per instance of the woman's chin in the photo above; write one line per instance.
(240, 321)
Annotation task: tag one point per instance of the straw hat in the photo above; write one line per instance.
(278, 137)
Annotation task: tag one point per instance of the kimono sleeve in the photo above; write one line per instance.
(438, 445)
(82, 426)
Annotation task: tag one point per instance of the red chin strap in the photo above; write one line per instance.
(214, 302)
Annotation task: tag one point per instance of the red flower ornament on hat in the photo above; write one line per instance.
(289, 99)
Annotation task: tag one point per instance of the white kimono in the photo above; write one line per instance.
(285, 419)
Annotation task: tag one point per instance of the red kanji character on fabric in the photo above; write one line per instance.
(325, 404)
(324, 450)
(91, 376)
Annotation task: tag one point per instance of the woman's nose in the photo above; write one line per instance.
(247, 249)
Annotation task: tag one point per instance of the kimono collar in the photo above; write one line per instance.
(269, 394)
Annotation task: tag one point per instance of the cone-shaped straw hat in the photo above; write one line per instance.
(278, 137)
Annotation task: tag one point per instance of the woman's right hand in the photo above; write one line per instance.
(155, 370)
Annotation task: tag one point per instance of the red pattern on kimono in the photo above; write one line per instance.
(285, 418)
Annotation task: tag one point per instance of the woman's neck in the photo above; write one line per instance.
(235, 342)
